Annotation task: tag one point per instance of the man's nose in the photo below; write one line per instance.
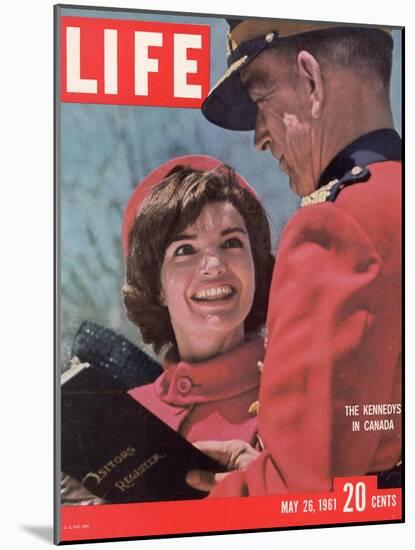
(262, 140)
(212, 264)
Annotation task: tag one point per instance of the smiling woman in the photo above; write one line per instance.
(199, 265)
(208, 282)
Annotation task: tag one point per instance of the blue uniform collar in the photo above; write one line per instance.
(377, 146)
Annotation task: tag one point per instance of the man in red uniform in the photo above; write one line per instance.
(318, 100)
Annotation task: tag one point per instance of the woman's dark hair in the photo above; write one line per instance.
(173, 205)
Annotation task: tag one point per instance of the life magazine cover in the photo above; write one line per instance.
(229, 284)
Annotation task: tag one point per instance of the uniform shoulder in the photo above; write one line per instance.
(381, 174)
(379, 193)
(379, 182)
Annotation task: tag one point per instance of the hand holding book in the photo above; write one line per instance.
(233, 455)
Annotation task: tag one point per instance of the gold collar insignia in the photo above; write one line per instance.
(319, 195)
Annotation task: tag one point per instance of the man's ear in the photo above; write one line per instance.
(309, 68)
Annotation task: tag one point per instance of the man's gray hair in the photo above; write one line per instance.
(364, 50)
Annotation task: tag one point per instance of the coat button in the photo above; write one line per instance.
(356, 170)
(184, 385)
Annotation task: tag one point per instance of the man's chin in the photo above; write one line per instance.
(294, 180)
(294, 183)
(283, 165)
(298, 187)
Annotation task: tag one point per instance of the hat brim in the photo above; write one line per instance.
(228, 105)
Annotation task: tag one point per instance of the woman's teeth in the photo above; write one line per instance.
(216, 293)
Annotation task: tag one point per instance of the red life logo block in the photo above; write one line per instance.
(134, 62)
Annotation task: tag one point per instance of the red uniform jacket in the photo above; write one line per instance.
(208, 400)
(334, 339)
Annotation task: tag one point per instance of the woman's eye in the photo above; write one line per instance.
(184, 250)
(233, 242)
